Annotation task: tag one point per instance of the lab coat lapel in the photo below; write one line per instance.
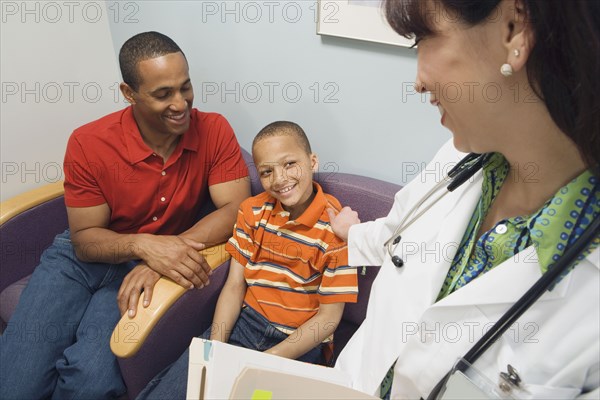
(448, 224)
(427, 247)
(504, 284)
(428, 256)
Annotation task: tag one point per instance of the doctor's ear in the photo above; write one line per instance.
(128, 93)
(517, 32)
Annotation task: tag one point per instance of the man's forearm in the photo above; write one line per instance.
(106, 246)
(214, 228)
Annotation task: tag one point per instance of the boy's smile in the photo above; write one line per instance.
(286, 171)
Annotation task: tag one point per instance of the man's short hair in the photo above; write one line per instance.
(141, 47)
(284, 128)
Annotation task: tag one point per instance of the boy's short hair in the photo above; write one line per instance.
(284, 128)
(141, 47)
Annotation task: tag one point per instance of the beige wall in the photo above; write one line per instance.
(58, 71)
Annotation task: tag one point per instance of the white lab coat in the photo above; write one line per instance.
(554, 346)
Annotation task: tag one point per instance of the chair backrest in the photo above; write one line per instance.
(26, 236)
(255, 186)
(372, 199)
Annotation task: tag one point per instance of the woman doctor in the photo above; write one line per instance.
(529, 74)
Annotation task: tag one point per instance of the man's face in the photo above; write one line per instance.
(164, 97)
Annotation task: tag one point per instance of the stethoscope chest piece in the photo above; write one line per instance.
(396, 260)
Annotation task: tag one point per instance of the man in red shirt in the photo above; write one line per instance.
(135, 183)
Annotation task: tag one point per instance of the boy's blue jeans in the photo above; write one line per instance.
(56, 344)
(251, 330)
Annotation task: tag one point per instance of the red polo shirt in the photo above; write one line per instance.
(107, 161)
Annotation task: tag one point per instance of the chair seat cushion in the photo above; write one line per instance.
(9, 298)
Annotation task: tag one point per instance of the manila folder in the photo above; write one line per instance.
(214, 367)
(261, 384)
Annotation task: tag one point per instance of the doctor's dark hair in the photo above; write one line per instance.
(562, 67)
(141, 47)
(284, 128)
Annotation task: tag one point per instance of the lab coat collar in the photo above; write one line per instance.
(505, 284)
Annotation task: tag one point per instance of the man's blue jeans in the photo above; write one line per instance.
(251, 330)
(57, 342)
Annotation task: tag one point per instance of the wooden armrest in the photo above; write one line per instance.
(130, 333)
(15, 205)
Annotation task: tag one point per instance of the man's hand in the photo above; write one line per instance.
(177, 258)
(342, 222)
(141, 278)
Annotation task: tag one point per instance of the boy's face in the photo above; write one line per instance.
(286, 172)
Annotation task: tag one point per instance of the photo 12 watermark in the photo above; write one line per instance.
(526, 172)
(72, 12)
(59, 92)
(270, 92)
(470, 92)
(436, 252)
(252, 92)
(464, 331)
(35, 332)
(254, 12)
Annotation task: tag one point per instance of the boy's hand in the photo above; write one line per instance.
(342, 222)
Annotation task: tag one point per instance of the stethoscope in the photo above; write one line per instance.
(463, 171)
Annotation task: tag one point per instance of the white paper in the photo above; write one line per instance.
(224, 363)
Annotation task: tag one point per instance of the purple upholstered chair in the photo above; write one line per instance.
(25, 236)
(28, 225)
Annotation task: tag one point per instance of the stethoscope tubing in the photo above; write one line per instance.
(462, 171)
(403, 225)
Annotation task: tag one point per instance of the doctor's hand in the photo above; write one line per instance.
(342, 222)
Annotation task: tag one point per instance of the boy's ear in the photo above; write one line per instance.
(314, 163)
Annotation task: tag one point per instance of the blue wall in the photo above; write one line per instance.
(257, 62)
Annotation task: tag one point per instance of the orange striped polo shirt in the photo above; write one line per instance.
(291, 266)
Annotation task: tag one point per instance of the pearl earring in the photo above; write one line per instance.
(516, 52)
(506, 70)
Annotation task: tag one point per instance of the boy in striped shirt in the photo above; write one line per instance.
(289, 276)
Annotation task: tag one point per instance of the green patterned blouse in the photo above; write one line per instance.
(557, 224)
